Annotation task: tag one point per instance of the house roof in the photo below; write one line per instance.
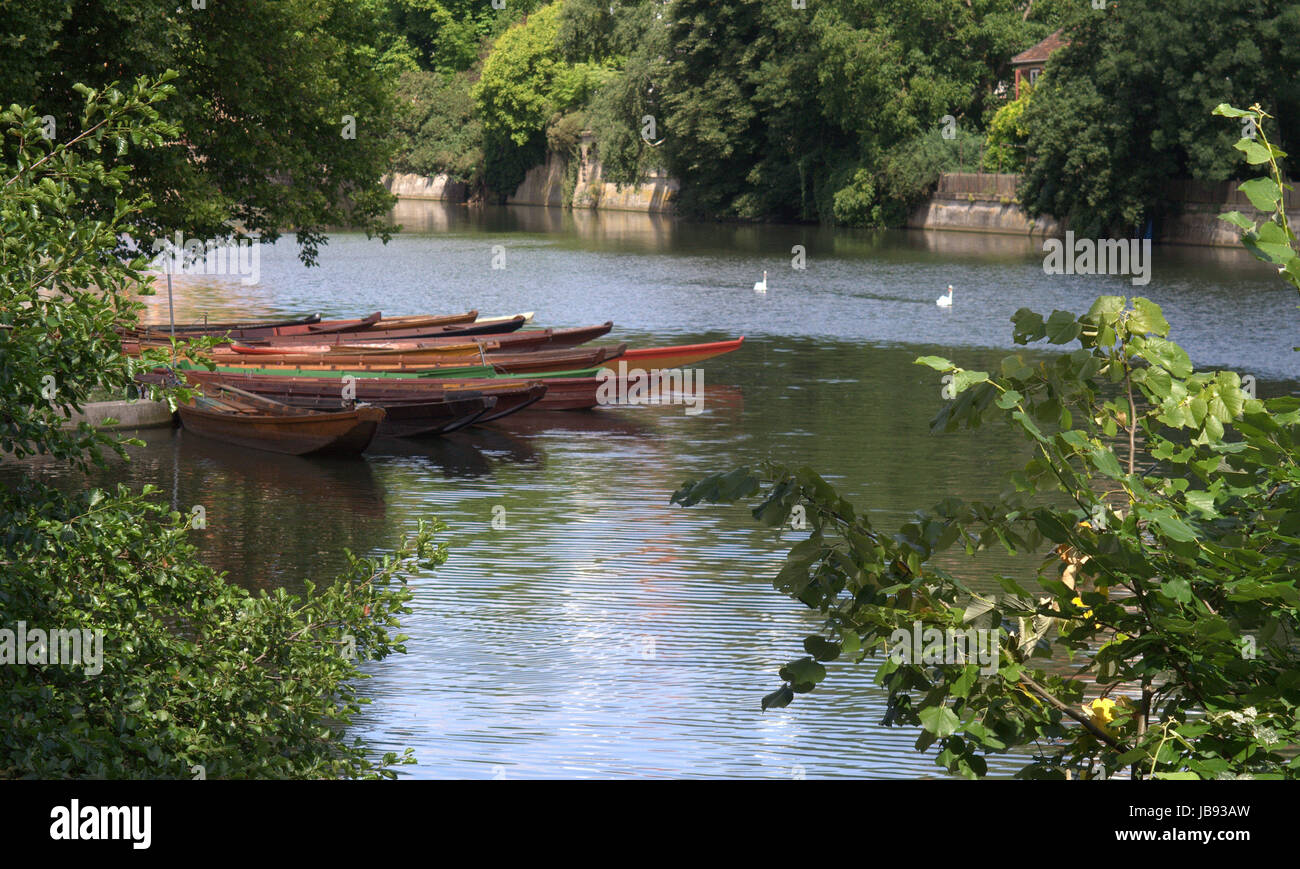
(1040, 52)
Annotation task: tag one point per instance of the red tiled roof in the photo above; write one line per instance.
(1040, 52)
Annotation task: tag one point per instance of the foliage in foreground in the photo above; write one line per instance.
(1160, 634)
(195, 676)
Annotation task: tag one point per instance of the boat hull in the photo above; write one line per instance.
(411, 404)
(652, 358)
(338, 433)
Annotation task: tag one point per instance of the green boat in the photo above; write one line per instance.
(462, 373)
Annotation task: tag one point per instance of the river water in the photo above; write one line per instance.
(601, 632)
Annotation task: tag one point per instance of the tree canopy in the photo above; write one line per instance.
(282, 109)
(1125, 106)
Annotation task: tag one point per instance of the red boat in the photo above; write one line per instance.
(680, 356)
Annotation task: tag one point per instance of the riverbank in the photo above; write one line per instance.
(983, 203)
(548, 184)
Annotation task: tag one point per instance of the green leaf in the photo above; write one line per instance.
(1179, 589)
(1263, 193)
(1227, 111)
(1173, 527)
(778, 699)
(804, 671)
(1255, 151)
(939, 720)
(964, 380)
(1147, 318)
(820, 648)
(1279, 254)
(1062, 327)
(1029, 326)
(1239, 220)
(978, 606)
(938, 363)
(1104, 460)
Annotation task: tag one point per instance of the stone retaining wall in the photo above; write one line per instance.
(979, 202)
(137, 413)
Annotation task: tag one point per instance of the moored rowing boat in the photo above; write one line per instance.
(651, 358)
(231, 415)
(430, 364)
(403, 399)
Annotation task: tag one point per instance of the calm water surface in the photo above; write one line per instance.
(602, 632)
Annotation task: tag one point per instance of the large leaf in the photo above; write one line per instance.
(1147, 318)
(1263, 193)
(939, 720)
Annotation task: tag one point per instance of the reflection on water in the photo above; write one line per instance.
(598, 631)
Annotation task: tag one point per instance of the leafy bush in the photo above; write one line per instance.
(908, 174)
(1005, 142)
(438, 129)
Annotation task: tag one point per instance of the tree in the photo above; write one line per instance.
(526, 86)
(767, 111)
(283, 108)
(437, 126)
(1125, 105)
(166, 669)
(1170, 500)
(1006, 137)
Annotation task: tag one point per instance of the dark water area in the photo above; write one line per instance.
(602, 632)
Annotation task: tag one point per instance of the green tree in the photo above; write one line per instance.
(1005, 143)
(1125, 106)
(263, 106)
(437, 126)
(1170, 499)
(189, 675)
(818, 113)
(444, 36)
(526, 86)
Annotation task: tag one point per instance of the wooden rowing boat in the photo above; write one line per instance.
(433, 366)
(485, 344)
(464, 353)
(507, 396)
(424, 321)
(327, 327)
(408, 419)
(228, 414)
(652, 358)
(527, 315)
(208, 327)
(514, 339)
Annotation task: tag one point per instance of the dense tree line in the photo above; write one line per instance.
(846, 111)
(835, 111)
(839, 111)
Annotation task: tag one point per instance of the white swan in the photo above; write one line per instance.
(945, 301)
(761, 286)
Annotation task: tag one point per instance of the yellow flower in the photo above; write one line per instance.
(1101, 711)
(1078, 601)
